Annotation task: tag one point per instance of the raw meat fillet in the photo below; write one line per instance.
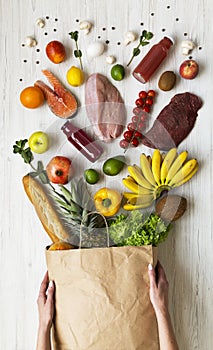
(174, 122)
(61, 102)
(105, 107)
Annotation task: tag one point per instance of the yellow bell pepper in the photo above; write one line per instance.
(107, 201)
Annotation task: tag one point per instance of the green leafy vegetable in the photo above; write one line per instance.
(77, 52)
(143, 41)
(137, 229)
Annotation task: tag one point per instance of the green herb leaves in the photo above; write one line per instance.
(25, 153)
(77, 52)
(143, 41)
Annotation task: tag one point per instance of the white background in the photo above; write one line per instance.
(187, 253)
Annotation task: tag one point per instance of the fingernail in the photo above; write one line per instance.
(150, 267)
(50, 284)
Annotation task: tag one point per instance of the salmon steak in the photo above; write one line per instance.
(105, 107)
(61, 102)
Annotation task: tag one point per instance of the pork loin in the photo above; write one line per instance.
(105, 107)
(174, 122)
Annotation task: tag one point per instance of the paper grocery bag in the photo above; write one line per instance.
(102, 299)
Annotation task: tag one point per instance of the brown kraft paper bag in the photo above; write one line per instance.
(102, 299)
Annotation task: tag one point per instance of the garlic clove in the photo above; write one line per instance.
(85, 26)
(40, 22)
(110, 59)
(30, 41)
(129, 38)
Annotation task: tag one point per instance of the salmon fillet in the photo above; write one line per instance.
(61, 102)
(105, 107)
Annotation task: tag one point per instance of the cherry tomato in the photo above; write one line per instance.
(138, 135)
(131, 126)
(142, 94)
(151, 93)
(141, 126)
(144, 117)
(146, 109)
(124, 144)
(149, 101)
(128, 135)
(139, 102)
(134, 142)
(137, 110)
(135, 119)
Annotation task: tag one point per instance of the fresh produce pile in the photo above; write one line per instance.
(66, 213)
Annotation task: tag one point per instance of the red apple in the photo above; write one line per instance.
(59, 170)
(189, 69)
(55, 51)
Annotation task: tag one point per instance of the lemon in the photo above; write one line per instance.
(91, 176)
(75, 76)
(117, 72)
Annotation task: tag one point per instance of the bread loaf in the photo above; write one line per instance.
(45, 209)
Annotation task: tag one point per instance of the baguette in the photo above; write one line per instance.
(45, 209)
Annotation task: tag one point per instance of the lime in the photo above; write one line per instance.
(91, 176)
(113, 166)
(117, 72)
(75, 76)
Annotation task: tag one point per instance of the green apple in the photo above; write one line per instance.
(38, 142)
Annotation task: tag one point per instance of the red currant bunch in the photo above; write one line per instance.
(133, 135)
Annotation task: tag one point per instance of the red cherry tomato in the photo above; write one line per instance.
(146, 109)
(141, 126)
(138, 135)
(137, 110)
(134, 142)
(135, 119)
(131, 126)
(124, 144)
(144, 117)
(128, 135)
(142, 94)
(151, 93)
(149, 101)
(139, 102)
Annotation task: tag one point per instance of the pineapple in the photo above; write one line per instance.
(75, 205)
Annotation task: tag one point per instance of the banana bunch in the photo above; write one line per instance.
(156, 174)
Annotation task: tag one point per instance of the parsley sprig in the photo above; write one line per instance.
(25, 152)
(77, 52)
(143, 41)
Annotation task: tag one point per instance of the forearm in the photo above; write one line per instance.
(166, 334)
(43, 339)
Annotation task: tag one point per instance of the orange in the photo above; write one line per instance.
(60, 245)
(31, 97)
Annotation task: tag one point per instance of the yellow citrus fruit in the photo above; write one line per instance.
(75, 76)
(32, 97)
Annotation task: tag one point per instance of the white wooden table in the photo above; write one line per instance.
(187, 254)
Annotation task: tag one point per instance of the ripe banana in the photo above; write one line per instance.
(146, 170)
(138, 177)
(135, 187)
(183, 173)
(156, 165)
(167, 162)
(134, 198)
(129, 206)
(177, 164)
(188, 177)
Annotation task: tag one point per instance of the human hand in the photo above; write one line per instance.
(45, 303)
(159, 288)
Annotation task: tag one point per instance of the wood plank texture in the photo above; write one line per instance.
(187, 254)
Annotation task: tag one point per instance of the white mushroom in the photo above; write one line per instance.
(40, 22)
(187, 46)
(129, 38)
(95, 49)
(86, 26)
(30, 41)
(110, 59)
